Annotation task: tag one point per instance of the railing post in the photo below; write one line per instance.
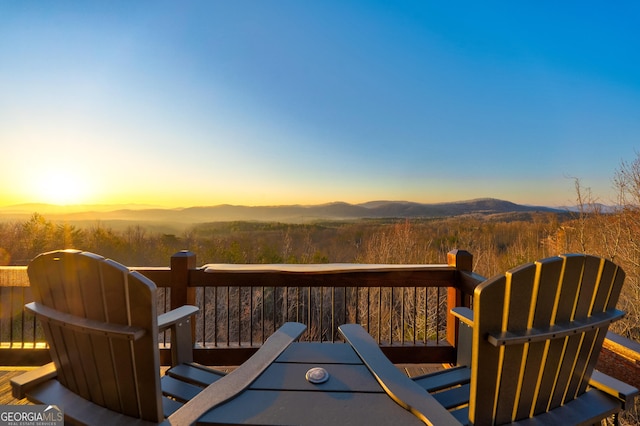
(181, 293)
(462, 260)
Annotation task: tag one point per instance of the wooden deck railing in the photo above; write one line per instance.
(405, 308)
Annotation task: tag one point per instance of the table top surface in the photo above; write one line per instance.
(281, 395)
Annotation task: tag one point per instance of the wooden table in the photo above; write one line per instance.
(281, 395)
(271, 388)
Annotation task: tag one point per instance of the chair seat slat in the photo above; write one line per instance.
(444, 379)
(192, 374)
(455, 397)
(180, 390)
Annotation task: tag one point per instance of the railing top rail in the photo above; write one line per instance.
(319, 268)
(325, 275)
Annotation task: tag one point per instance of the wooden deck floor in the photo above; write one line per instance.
(6, 373)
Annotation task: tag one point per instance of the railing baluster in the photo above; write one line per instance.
(402, 318)
(427, 317)
(273, 320)
(390, 307)
(321, 312)
(309, 325)
(333, 312)
(358, 313)
(262, 315)
(415, 314)
(370, 326)
(438, 315)
(251, 316)
(228, 316)
(298, 301)
(215, 316)
(11, 317)
(345, 298)
(378, 314)
(202, 318)
(239, 293)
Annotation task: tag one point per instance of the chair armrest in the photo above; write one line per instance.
(176, 316)
(464, 344)
(407, 393)
(178, 321)
(614, 387)
(21, 384)
(229, 386)
(463, 314)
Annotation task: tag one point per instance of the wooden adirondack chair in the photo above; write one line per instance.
(100, 321)
(535, 334)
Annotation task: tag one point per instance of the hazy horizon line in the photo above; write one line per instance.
(144, 206)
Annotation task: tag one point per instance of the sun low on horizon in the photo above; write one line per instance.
(59, 187)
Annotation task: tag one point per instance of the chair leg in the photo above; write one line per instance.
(465, 342)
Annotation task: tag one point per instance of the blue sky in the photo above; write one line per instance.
(299, 102)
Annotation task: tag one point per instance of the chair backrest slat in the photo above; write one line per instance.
(609, 288)
(119, 374)
(518, 299)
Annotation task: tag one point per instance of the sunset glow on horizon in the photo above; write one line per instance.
(270, 103)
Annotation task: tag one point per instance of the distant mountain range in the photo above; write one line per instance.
(283, 213)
